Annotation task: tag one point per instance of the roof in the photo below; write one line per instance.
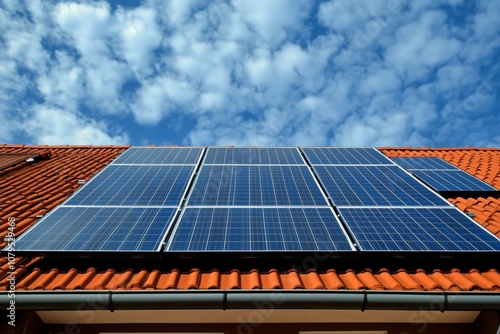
(31, 189)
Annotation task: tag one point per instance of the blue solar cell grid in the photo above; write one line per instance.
(160, 155)
(99, 229)
(255, 185)
(259, 229)
(135, 185)
(253, 156)
(345, 156)
(375, 186)
(417, 229)
(424, 163)
(442, 176)
(456, 180)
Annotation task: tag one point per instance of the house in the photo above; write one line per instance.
(241, 292)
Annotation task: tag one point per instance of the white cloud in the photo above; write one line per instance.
(453, 75)
(63, 85)
(23, 38)
(158, 98)
(175, 13)
(252, 72)
(422, 45)
(380, 81)
(373, 130)
(265, 18)
(485, 22)
(25, 47)
(270, 130)
(346, 16)
(8, 126)
(54, 126)
(140, 36)
(91, 30)
(88, 25)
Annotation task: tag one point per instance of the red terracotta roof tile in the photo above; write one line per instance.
(251, 280)
(233, 280)
(481, 281)
(388, 280)
(493, 276)
(352, 281)
(459, 279)
(101, 280)
(80, 281)
(152, 280)
(174, 276)
(271, 280)
(369, 280)
(210, 280)
(195, 279)
(26, 282)
(408, 282)
(312, 280)
(136, 282)
(427, 283)
(291, 280)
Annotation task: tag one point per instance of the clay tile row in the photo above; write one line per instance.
(91, 279)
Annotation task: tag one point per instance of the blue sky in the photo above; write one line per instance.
(256, 72)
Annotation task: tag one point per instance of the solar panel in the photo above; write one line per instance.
(255, 185)
(442, 176)
(135, 185)
(423, 163)
(456, 180)
(253, 155)
(98, 229)
(259, 229)
(160, 155)
(345, 156)
(417, 229)
(375, 186)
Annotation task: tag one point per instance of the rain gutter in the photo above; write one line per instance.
(250, 299)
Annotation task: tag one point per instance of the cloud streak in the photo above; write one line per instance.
(234, 72)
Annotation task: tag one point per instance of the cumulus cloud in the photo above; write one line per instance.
(140, 37)
(56, 126)
(263, 17)
(251, 72)
(422, 46)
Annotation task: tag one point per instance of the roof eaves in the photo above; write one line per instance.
(251, 299)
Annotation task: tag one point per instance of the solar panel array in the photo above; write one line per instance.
(257, 199)
(250, 199)
(441, 175)
(129, 206)
(386, 209)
